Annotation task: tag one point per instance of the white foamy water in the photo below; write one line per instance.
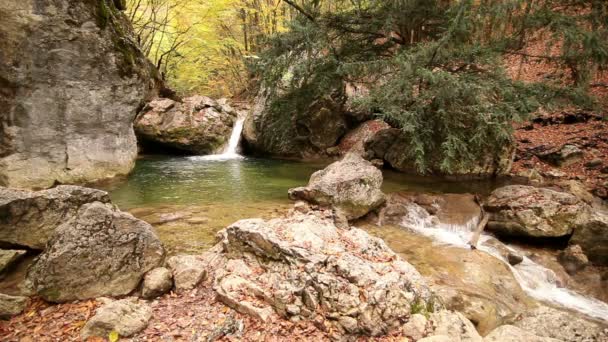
(231, 150)
(536, 280)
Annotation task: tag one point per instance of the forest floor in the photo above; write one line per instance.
(587, 131)
(191, 316)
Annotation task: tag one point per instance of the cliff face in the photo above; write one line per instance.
(71, 81)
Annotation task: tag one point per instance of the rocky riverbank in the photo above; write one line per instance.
(309, 273)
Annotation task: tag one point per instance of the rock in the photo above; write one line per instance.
(578, 189)
(554, 173)
(416, 327)
(30, 218)
(304, 132)
(8, 258)
(510, 333)
(156, 283)
(355, 140)
(519, 210)
(514, 259)
(573, 259)
(544, 321)
(455, 326)
(302, 265)
(395, 148)
(126, 317)
(188, 271)
(351, 185)
(563, 156)
(592, 236)
(594, 163)
(72, 81)
(198, 125)
(99, 252)
(12, 305)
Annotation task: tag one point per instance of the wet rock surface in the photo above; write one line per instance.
(99, 252)
(198, 125)
(303, 266)
(351, 186)
(126, 317)
(72, 80)
(30, 218)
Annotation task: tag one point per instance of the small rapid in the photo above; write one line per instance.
(536, 280)
(231, 149)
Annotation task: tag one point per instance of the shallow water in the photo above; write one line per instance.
(189, 199)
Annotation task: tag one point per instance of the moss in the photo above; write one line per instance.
(104, 14)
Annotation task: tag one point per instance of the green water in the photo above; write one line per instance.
(188, 199)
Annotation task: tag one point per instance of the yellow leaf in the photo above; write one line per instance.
(113, 336)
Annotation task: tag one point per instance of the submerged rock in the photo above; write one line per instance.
(12, 305)
(303, 266)
(72, 81)
(351, 186)
(99, 252)
(156, 283)
(30, 218)
(125, 317)
(528, 211)
(199, 125)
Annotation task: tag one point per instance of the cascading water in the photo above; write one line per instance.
(538, 281)
(230, 151)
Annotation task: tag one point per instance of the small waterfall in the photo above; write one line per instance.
(536, 280)
(231, 150)
(235, 138)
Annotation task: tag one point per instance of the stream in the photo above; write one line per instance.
(189, 199)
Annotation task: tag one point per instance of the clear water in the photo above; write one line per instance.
(189, 199)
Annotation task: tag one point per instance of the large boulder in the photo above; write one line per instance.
(101, 251)
(352, 186)
(534, 212)
(30, 218)
(592, 236)
(304, 267)
(124, 317)
(71, 81)
(305, 132)
(198, 125)
(392, 145)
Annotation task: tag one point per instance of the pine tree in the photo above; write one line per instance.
(434, 68)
